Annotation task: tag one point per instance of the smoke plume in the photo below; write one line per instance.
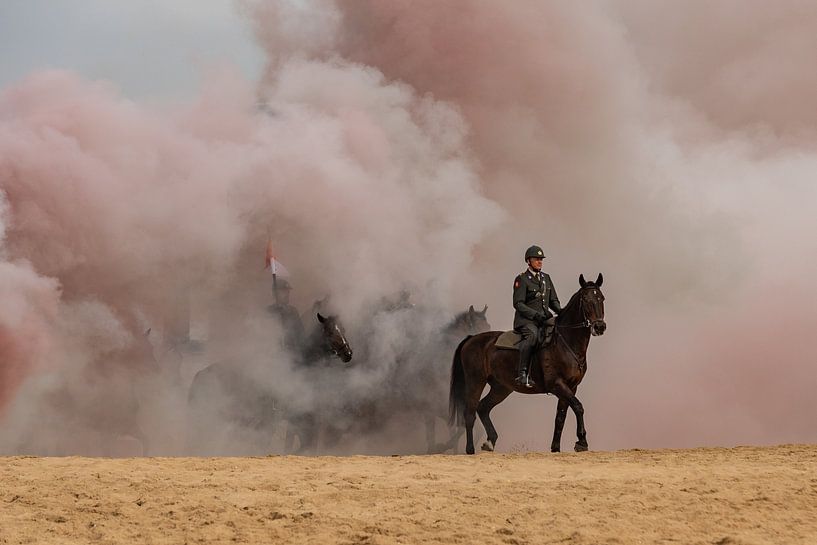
(421, 146)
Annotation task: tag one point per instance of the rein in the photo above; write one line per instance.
(581, 361)
(584, 324)
(335, 351)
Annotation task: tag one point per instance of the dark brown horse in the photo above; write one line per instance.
(557, 369)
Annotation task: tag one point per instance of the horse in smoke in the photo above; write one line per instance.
(399, 377)
(465, 324)
(247, 401)
(96, 404)
(557, 368)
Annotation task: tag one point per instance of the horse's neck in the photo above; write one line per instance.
(577, 338)
(572, 311)
(459, 325)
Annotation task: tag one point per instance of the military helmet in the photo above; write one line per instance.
(534, 251)
(282, 284)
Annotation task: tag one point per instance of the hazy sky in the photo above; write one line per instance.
(148, 47)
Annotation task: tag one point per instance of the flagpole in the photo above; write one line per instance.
(274, 281)
(270, 261)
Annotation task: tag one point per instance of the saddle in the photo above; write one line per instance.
(510, 339)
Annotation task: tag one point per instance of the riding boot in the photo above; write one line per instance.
(522, 374)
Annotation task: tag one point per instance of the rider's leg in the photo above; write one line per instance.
(530, 336)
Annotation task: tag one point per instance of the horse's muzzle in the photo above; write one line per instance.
(346, 355)
(598, 327)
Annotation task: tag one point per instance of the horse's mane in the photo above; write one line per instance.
(573, 305)
(457, 320)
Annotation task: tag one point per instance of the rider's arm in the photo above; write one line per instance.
(519, 293)
(553, 303)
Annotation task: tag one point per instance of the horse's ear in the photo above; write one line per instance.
(582, 281)
(484, 310)
(599, 280)
(471, 309)
(321, 319)
(147, 332)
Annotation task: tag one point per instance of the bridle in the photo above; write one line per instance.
(586, 322)
(344, 348)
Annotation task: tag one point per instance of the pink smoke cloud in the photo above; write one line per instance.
(426, 144)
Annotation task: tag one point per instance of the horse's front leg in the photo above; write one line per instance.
(569, 396)
(561, 415)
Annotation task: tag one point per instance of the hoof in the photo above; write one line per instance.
(555, 449)
(579, 447)
(469, 450)
(488, 446)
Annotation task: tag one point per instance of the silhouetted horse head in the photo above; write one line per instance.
(477, 320)
(335, 337)
(470, 322)
(592, 304)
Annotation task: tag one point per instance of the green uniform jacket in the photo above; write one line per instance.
(532, 295)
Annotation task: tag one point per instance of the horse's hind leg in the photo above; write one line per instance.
(470, 418)
(569, 396)
(496, 395)
(561, 415)
(471, 403)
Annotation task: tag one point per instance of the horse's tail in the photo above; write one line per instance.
(456, 395)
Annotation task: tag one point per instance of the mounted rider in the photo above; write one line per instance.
(293, 328)
(533, 297)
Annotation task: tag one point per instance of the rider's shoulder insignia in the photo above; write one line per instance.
(516, 283)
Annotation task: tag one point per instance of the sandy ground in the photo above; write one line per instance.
(735, 496)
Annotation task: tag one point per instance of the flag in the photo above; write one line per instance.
(275, 266)
(269, 259)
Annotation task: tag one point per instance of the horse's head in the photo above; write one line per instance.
(592, 301)
(335, 337)
(477, 322)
